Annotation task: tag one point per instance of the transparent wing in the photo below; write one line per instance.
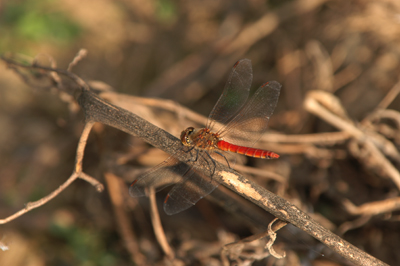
(186, 194)
(159, 177)
(234, 96)
(193, 187)
(251, 122)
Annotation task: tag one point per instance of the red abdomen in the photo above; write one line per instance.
(257, 153)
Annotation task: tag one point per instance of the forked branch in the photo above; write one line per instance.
(75, 175)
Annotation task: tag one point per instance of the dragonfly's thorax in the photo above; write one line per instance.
(201, 138)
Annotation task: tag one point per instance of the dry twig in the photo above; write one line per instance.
(328, 107)
(158, 229)
(78, 173)
(235, 251)
(373, 208)
(126, 232)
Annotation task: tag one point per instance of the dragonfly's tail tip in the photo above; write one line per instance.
(275, 156)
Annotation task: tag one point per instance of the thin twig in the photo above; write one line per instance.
(76, 174)
(158, 228)
(82, 84)
(390, 96)
(268, 23)
(124, 226)
(80, 55)
(346, 226)
(313, 106)
(235, 250)
(373, 208)
(261, 172)
(272, 238)
(326, 138)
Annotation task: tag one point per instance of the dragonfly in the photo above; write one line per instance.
(234, 125)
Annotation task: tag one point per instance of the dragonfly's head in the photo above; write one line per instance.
(185, 136)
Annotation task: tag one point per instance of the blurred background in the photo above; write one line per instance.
(183, 51)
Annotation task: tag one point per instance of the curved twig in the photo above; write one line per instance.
(75, 175)
(372, 143)
(124, 226)
(158, 228)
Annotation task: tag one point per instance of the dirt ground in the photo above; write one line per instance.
(336, 128)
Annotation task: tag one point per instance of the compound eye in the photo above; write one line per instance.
(186, 140)
(189, 130)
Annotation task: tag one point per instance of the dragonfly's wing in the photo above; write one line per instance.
(192, 185)
(166, 173)
(234, 96)
(193, 188)
(186, 194)
(251, 122)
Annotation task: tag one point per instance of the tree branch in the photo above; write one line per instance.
(98, 110)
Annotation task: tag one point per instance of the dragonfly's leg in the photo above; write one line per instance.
(223, 156)
(203, 160)
(197, 155)
(212, 160)
(190, 151)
